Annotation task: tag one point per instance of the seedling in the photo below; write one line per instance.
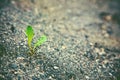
(30, 35)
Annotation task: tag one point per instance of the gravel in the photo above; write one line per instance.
(80, 44)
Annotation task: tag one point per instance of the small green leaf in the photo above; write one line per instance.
(41, 40)
(30, 34)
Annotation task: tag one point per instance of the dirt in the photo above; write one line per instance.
(83, 40)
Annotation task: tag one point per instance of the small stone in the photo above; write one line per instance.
(14, 66)
(97, 60)
(103, 66)
(106, 35)
(20, 71)
(103, 27)
(102, 51)
(96, 50)
(63, 47)
(110, 74)
(24, 46)
(105, 61)
(37, 68)
(21, 44)
(20, 58)
(87, 77)
(50, 77)
(108, 18)
(17, 46)
(3, 41)
(99, 70)
(104, 32)
(55, 67)
(15, 72)
(91, 44)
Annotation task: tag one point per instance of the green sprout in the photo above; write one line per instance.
(30, 34)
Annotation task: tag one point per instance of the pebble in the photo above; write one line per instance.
(3, 41)
(91, 44)
(24, 46)
(110, 74)
(14, 66)
(55, 67)
(103, 66)
(105, 61)
(96, 50)
(19, 59)
(100, 51)
(20, 71)
(50, 77)
(37, 68)
(21, 44)
(105, 33)
(63, 47)
(87, 77)
(99, 70)
(103, 27)
(108, 17)
(97, 60)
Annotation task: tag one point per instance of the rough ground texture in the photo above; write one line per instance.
(83, 40)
